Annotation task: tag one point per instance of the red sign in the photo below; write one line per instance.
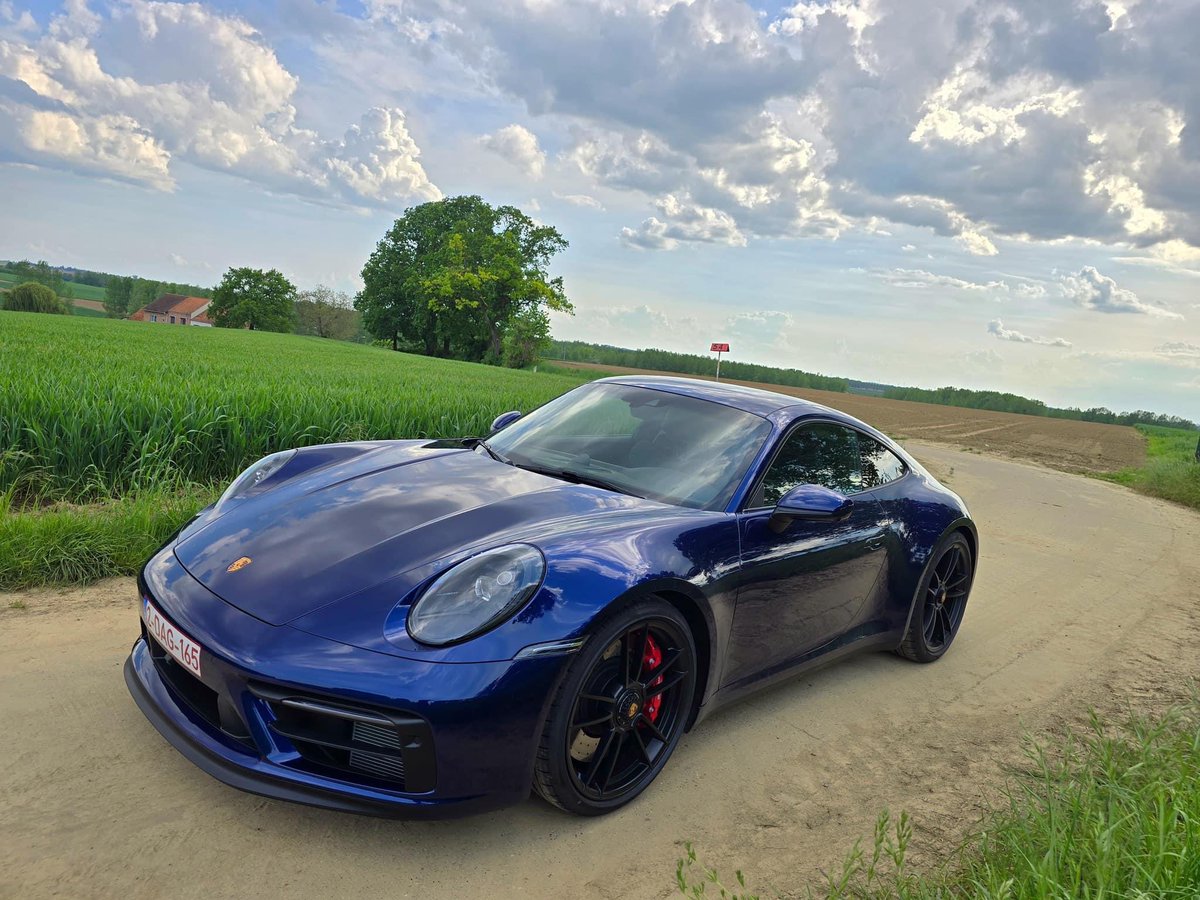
(719, 348)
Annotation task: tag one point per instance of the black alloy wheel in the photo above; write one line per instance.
(941, 602)
(620, 712)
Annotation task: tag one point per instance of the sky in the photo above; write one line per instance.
(985, 193)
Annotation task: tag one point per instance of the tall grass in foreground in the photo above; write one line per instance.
(74, 544)
(1109, 812)
(1171, 470)
(91, 410)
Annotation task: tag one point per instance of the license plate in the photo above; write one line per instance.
(182, 648)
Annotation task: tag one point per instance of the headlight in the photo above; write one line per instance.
(476, 595)
(256, 474)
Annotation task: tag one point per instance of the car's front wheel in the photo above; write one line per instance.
(620, 711)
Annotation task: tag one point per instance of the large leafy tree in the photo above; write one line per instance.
(452, 276)
(254, 299)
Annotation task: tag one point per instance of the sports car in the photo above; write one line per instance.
(441, 626)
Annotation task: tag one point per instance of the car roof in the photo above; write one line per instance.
(752, 400)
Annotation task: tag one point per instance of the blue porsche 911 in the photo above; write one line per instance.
(435, 627)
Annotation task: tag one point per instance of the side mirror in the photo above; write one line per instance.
(505, 419)
(810, 501)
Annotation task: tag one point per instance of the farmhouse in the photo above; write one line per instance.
(175, 309)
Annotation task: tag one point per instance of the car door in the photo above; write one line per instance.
(804, 585)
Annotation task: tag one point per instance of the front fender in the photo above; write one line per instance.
(589, 572)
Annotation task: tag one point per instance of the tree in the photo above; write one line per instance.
(526, 338)
(34, 297)
(143, 293)
(254, 299)
(326, 313)
(118, 294)
(450, 277)
(40, 272)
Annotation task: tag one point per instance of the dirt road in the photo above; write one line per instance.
(1086, 593)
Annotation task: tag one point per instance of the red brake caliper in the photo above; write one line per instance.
(651, 660)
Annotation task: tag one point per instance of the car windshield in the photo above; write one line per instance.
(635, 440)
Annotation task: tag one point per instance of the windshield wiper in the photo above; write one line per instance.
(494, 454)
(583, 478)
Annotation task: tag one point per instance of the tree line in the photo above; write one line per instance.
(1015, 403)
(690, 364)
(122, 294)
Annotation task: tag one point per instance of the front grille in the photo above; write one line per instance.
(375, 746)
(209, 706)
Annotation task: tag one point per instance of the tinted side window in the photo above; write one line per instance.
(814, 454)
(879, 464)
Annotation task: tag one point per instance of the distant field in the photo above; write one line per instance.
(99, 408)
(1061, 443)
(78, 291)
(85, 291)
(90, 308)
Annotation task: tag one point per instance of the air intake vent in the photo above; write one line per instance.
(378, 735)
(377, 745)
(390, 768)
(377, 764)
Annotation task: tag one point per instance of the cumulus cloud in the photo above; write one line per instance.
(1097, 292)
(125, 93)
(1179, 350)
(519, 146)
(640, 320)
(683, 221)
(763, 326)
(981, 122)
(983, 360)
(977, 120)
(920, 278)
(377, 160)
(584, 200)
(996, 329)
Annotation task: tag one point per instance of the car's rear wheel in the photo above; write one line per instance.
(620, 711)
(941, 601)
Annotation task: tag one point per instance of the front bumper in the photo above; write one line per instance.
(481, 720)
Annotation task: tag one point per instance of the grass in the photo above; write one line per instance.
(73, 544)
(113, 433)
(1106, 812)
(1171, 470)
(100, 409)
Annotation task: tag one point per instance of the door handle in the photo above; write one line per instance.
(875, 543)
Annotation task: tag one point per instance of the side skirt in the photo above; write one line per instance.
(817, 659)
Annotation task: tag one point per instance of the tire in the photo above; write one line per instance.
(605, 740)
(940, 601)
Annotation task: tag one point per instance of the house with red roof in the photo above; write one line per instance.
(176, 309)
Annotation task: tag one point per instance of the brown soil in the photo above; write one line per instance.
(1060, 443)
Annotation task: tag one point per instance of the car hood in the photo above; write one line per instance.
(337, 529)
